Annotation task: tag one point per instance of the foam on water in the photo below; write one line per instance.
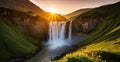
(57, 35)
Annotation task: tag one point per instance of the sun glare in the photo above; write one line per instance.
(53, 10)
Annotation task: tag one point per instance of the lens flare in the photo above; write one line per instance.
(53, 10)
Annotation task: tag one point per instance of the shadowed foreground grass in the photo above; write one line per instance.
(12, 41)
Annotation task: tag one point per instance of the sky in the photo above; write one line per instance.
(68, 6)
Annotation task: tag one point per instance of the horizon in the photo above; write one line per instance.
(60, 31)
(60, 6)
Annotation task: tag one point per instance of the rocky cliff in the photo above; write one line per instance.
(88, 21)
(30, 23)
(29, 16)
(23, 28)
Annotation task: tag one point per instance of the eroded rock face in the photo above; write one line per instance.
(86, 22)
(31, 18)
(30, 23)
(90, 24)
(40, 30)
(85, 25)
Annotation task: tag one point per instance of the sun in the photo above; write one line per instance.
(53, 10)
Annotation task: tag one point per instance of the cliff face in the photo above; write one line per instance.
(29, 16)
(86, 25)
(90, 25)
(29, 22)
(23, 26)
(103, 27)
(88, 21)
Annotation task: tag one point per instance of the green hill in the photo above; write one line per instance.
(103, 43)
(21, 33)
(15, 36)
(23, 28)
(12, 41)
(75, 14)
(28, 6)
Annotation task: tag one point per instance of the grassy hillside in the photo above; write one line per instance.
(21, 5)
(21, 32)
(15, 38)
(28, 6)
(13, 43)
(28, 21)
(103, 44)
(75, 14)
(23, 26)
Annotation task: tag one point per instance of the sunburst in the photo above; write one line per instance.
(53, 10)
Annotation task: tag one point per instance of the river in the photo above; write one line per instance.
(46, 53)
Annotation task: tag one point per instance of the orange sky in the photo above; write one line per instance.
(67, 6)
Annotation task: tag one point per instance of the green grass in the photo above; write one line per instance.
(105, 37)
(13, 42)
(112, 46)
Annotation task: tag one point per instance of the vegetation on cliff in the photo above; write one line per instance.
(103, 43)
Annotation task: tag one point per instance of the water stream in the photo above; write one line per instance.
(57, 35)
(58, 43)
(70, 31)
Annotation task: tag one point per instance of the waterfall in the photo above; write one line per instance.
(57, 31)
(70, 30)
(57, 34)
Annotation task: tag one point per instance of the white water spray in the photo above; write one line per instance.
(70, 31)
(57, 35)
(57, 31)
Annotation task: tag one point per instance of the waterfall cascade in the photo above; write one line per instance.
(57, 31)
(70, 31)
(57, 34)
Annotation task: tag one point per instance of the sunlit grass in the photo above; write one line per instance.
(102, 39)
(108, 46)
